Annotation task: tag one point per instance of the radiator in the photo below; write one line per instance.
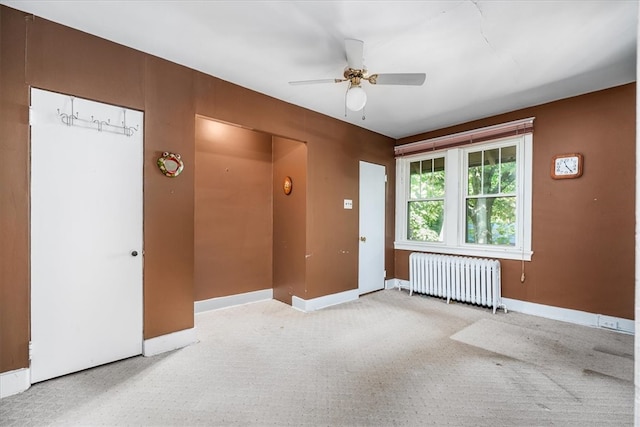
(465, 279)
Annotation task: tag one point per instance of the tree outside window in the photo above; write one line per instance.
(491, 196)
(426, 200)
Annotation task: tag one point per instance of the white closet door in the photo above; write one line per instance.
(371, 250)
(86, 236)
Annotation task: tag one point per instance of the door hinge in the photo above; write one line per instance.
(30, 350)
(385, 177)
(30, 115)
(384, 274)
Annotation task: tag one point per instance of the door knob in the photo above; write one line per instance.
(363, 239)
(134, 253)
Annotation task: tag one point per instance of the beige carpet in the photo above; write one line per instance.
(555, 348)
(385, 360)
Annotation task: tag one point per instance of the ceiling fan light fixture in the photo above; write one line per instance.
(355, 72)
(356, 98)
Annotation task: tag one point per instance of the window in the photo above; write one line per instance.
(467, 200)
(490, 200)
(426, 200)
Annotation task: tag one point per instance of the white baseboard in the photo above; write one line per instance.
(168, 342)
(572, 316)
(557, 313)
(14, 382)
(324, 301)
(232, 300)
(401, 284)
(391, 283)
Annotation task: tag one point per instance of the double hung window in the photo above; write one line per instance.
(472, 199)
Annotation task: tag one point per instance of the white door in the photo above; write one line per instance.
(86, 235)
(372, 205)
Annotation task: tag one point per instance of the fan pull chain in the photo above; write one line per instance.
(345, 103)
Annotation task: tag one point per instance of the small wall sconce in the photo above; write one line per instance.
(287, 185)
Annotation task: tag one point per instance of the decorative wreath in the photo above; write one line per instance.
(170, 164)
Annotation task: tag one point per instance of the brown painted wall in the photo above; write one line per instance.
(289, 219)
(68, 61)
(233, 210)
(168, 202)
(14, 187)
(583, 229)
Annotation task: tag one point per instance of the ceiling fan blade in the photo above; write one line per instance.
(354, 49)
(312, 82)
(408, 79)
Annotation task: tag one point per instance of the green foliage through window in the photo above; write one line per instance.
(426, 200)
(491, 197)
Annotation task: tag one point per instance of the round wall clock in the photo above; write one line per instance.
(564, 166)
(287, 185)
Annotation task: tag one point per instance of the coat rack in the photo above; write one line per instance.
(100, 125)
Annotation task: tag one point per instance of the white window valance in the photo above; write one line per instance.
(516, 127)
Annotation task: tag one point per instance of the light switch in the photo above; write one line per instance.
(348, 204)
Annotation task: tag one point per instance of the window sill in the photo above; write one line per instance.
(475, 251)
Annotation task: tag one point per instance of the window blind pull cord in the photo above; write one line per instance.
(522, 276)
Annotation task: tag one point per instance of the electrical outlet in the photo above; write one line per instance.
(348, 204)
(608, 322)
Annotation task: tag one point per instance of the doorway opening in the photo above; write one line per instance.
(249, 230)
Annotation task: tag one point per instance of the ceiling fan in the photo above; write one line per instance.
(356, 72)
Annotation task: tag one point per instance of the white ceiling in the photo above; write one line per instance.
(481, 58)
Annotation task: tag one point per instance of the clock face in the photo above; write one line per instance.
(566, 166)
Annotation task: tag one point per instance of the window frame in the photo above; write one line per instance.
(456, 181)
